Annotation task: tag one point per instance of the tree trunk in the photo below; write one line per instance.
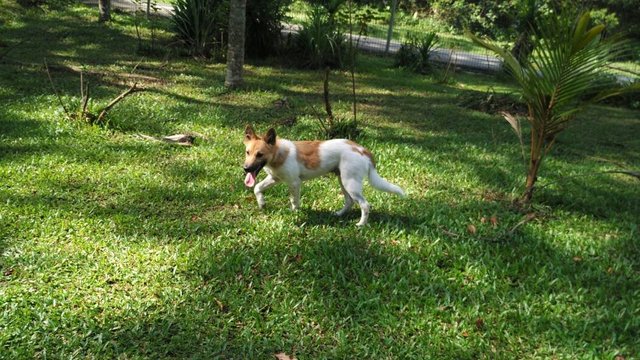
(522, 48)
(535, 159)
(104, 8)
(235, 52)
(394, 5)
(532, 177)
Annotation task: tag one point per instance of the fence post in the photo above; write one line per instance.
(394, 4)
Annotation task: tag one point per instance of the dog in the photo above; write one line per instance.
(292, 162)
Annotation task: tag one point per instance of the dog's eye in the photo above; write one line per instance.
(247, 152)
(259, 154)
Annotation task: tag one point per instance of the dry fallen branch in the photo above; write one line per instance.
(525, 220)
(55, 91)
(82, 113)
(113, 102)
(635, 174)
(177, 139)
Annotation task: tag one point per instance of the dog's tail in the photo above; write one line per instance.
(383, 185)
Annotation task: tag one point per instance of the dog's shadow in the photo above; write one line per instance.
(313, 217)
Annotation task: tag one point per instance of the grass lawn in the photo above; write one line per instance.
(112, 246)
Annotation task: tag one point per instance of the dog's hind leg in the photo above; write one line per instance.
(263, 185)
(348, 201)
(354, 188)
(294, 194)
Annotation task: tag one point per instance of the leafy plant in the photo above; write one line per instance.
(336, 126)
(415, 52)
(563, 69)
(320, 43)
(199, 25)
(264, 26)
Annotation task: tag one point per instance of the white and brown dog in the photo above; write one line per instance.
(294, 161)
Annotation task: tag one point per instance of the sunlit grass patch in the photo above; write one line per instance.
(115, 246)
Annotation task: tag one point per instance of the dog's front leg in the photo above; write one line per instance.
(294, 194)
(263, 185)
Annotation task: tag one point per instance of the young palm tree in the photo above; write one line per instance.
(556, 80)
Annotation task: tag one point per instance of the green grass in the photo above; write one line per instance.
(116, 247)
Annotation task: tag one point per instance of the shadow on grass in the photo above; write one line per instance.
(404, 287)
(313, 295)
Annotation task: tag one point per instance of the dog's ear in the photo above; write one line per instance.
(270, 138)
(249, 134)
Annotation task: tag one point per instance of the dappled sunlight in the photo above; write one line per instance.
(114, 245)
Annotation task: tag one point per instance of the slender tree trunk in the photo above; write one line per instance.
(523, 47)
(352, 55)
(235, 52)
(532, 177)
(394, 5)
(104, 8)
(535, 159)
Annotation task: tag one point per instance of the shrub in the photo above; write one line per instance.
(414, 53)
(200, 24)
(51, 4)
(319, 43)
(264, 26)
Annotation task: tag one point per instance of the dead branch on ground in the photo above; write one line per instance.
(83, 113)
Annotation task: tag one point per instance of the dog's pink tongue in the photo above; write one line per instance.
(250, 180)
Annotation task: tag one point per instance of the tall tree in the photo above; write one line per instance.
(235, 52)
(104, 8)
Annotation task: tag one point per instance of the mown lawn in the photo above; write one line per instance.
(112, 246)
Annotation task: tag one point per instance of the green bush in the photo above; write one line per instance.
(264, 26)
(414, 53)
(200, 25)
(51, 4)
(320, 43)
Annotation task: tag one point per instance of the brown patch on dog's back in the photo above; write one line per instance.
(355, 147)
(308, 153)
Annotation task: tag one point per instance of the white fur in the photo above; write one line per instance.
(334, 154)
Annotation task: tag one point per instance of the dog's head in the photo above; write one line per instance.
(259, 151)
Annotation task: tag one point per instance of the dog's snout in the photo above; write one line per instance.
(246, 168)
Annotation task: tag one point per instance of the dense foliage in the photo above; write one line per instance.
(199, 25)
(320, 42)
(202, 25)
(414, 52)
(264, 24)
(501, 19)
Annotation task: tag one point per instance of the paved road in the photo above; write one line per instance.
(129, 5)
(462, 59)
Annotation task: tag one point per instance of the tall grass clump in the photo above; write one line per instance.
(414, 53)
(320, 43)
(200, 26)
